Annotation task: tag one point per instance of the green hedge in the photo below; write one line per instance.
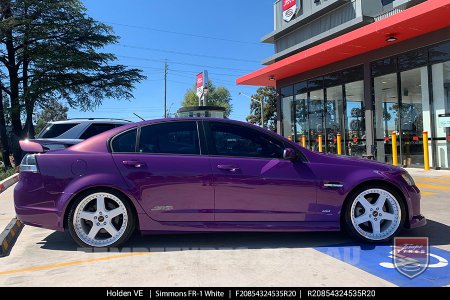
(6, 173)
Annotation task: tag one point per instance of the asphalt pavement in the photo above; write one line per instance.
(43, 257)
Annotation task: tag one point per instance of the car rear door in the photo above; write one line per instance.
(252, 181)
(168, 171)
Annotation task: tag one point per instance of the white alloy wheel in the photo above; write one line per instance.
(376, 214)
(100, 219)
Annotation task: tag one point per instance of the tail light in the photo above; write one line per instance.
(29, 164)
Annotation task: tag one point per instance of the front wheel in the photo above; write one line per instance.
(374, 214)
(101, 219)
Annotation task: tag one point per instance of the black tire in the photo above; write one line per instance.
(347, 213)
(128, 232)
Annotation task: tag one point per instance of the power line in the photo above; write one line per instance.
(194, 72)
(184, 64)
(188, 54)
(185, 34)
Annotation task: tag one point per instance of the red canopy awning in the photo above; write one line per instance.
(423, 18)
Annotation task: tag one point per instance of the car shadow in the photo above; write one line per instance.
(437, 233)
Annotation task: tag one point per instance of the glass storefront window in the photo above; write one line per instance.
(316, 115)
(386, 115)
(441, 99)
(355, 132)
(415, 115)
(301, 111)
(333, 117)
(287, 99)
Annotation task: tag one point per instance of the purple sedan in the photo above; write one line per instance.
(198, 175)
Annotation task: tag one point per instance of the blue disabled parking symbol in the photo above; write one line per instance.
(379, 261)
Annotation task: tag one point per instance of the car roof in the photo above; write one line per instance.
(91, 120)
(97, 143)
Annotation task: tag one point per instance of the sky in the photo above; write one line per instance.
(221, 36)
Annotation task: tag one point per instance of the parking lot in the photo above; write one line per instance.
(46, 258)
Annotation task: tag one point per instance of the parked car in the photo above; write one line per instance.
(61, 134)
(200, 175)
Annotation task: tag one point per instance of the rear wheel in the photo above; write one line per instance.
(101, 219)
(374, 214)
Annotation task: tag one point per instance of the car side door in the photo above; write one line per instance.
(168, 172)
(251, 179)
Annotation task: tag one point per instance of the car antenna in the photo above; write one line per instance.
(139, 116)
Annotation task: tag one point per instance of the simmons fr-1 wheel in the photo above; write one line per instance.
(374, 214)
(101, 219)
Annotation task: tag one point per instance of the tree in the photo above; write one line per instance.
(53, 111)
(269, 97)
(51, 50)
(217, 96)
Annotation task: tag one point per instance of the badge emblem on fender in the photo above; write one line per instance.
(162, 208)
(411, 255)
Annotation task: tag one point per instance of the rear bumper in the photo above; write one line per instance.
(35, 206)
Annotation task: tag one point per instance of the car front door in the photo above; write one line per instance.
(167, 171)
(252, 181)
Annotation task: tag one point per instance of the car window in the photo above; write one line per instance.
(235, 140)
(55, 130)
(97, 128)
(171, 138)
(125, 142)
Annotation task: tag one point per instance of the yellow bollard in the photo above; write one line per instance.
(303, 141)
(339, 146)
(394, 149)
(320, 143)
(426, 154)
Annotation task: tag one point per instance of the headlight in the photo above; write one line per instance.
(29, 164)
(409, 180)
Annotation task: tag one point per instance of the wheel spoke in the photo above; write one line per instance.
(93, 232)
(376, 227)
(380, 202)
(363, 201)
(116, 212)
(85, 215)
(388, 216)
(362, 219)
(111, 229)
(100, 204)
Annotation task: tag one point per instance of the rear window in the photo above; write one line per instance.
(125, 142)
(98, 128)
(55, 130)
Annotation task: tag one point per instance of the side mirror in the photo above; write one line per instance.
(289, 154)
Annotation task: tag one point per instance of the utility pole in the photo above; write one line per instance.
(166, 68)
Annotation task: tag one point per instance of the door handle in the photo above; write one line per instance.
(133, 163)
(228, 168)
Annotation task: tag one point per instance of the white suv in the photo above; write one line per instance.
(60, 134)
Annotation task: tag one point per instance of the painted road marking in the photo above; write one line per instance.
(426, 194)
(433, 187)
(377, 260)
(72, 263)
(434, 180)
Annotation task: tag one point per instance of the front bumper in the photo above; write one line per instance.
(416, 219)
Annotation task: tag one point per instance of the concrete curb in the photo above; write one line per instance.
(6, 183)
(9, 236)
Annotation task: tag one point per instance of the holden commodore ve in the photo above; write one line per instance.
(208, 175)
